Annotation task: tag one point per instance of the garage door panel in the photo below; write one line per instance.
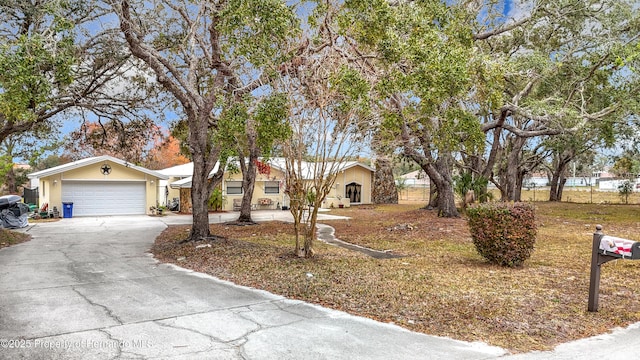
(105, 198)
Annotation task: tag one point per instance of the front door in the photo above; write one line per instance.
(354, 192)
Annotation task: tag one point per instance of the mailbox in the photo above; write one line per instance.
(604, 249)
(619, 247)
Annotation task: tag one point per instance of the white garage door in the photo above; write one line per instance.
(105, 198)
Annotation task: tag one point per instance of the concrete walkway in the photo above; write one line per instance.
(86, 288)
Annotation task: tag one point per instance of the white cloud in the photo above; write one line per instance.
(520, 9)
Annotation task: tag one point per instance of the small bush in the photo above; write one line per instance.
(216, 200)
(503, 233)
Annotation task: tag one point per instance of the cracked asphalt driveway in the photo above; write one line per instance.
(86, 288)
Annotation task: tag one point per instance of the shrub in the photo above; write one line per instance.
(216, 200)
(503, 233)
(624, 190)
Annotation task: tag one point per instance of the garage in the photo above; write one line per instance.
(105, 198)
(101, 185)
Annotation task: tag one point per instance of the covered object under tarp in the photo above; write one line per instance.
(13, 213)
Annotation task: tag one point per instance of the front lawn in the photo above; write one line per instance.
(441, 286)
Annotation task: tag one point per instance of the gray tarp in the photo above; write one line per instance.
(16, 216)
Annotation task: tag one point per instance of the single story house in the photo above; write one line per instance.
(353, 186)
(614, 185)
(101, 185)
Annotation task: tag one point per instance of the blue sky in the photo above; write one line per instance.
(507, 7)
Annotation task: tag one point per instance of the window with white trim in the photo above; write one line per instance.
(234, 187)
(271, 187)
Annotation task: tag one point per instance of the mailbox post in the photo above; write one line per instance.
(605, 249)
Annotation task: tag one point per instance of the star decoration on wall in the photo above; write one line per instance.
(105, 169)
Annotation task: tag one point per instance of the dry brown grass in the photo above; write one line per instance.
(441, 286)
(8, 238)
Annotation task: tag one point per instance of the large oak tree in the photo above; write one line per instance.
(205, 55)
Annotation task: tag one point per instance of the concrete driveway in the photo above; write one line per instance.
(86, 288)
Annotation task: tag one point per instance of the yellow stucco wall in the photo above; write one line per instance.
(173, 193)
(358, 175)
(355, 174)
(258, 192)
(51, 186)
(338, 194)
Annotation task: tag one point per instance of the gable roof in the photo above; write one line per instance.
(308, 170)
(186, 182)
(93, 160)
(178, 170)
(182, 183)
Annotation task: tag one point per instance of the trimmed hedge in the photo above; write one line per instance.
(503, 233)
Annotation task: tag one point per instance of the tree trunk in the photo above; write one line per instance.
(248, 186)
(248, 174)
(205, 156)
(553, 187)
(306, 250)
(10, 179)
(557, 187)
(511, 177)
(513, 169)
(558, 178)
(441, 175)
(563, 182)
(384, 186)
(517, 190)
(439, 172)
(199, 200)
(433, 195)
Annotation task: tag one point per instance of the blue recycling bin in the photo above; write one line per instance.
(67, 210)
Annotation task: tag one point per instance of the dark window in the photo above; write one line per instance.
(271, 187)
(234, 187)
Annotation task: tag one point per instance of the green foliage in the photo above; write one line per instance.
(502, 233)
(368, 21)
(459, 128)
(256, 29)
(353, 89)
(32, 66)
(231, 127)
(626, 166)
(216, 200)
(624, 190)
(465, 182)
(311, 197)
(272, 126)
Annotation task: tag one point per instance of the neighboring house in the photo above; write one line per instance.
(540, 179)
(615, 184)
(416, 178)
(101, 185)
(352, 186)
